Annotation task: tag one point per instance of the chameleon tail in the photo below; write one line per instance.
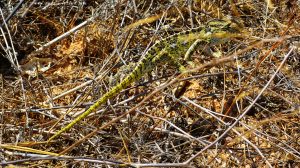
(115, 90)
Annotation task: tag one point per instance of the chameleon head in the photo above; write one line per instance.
(222, 30)
(219, 25)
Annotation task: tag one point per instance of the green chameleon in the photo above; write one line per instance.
(175, 49)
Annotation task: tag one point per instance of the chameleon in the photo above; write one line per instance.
(176, 49)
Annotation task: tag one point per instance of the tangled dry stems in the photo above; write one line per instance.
(146, 125)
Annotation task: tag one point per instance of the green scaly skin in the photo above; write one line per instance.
(169, 50)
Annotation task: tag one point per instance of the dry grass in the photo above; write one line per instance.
(241, 110)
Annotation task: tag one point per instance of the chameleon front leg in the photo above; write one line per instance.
(179, 91)
(187, 57)
(192, 49)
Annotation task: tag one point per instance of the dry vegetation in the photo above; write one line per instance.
(241, 110)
